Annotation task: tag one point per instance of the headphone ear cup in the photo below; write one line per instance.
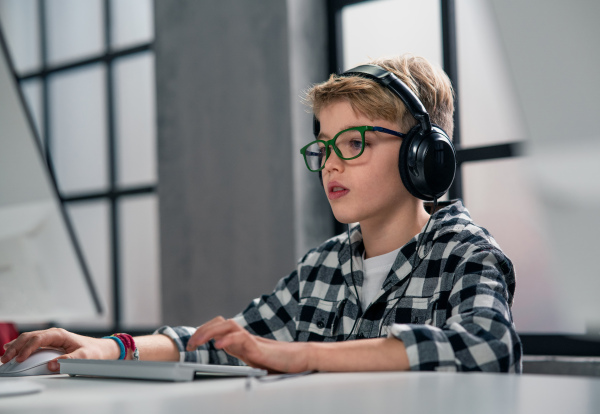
(403, 161)
(438, 164)
(427, 163)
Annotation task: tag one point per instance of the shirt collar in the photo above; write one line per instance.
(449, 219)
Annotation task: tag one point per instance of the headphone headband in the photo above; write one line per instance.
(388, 80)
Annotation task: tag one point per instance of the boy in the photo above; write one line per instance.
(420, 291)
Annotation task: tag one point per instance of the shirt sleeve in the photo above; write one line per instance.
(479, 334)
(270, 316)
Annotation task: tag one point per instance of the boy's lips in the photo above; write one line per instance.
(335, 190)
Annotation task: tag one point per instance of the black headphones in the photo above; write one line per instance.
(427, 160)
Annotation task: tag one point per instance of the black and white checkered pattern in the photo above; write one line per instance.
(452, 310)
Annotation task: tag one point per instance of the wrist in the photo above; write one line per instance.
(126, 343)
(111, 348)
(313, 355)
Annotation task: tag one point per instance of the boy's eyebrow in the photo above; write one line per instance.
(321, 135)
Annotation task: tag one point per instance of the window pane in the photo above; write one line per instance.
(490, 112)
(139, 264)
(75, 29)
(32, 90)
(91, 223)
(78, 129)
(135, 120)
(132, 22)
(500, 197)
(19, 20)
(391, 27)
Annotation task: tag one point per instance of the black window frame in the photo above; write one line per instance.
(114, 193)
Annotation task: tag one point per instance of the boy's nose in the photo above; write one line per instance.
(333, 162)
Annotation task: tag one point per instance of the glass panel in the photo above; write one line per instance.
(135, 120)
(78, 128)
(500, 197)
(74, 29)
(381, 28)
(140, 261)
(132, 22)
(19, 20)
(91, 223)
(32, 90)
(490, 112)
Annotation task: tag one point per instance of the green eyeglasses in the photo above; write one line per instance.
(347, 144)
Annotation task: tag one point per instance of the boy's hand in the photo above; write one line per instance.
(75, 346)
(255, 351)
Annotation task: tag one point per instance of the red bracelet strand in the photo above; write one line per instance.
(129, 344)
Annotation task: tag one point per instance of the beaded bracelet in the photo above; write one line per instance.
(128, 343)
(120, 343)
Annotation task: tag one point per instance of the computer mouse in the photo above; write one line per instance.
(36, 364)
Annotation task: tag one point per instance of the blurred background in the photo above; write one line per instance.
(174, 129)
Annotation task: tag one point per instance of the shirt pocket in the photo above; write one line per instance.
(417, 310)
(315, 319)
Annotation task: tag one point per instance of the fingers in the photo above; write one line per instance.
(213, 329)
(242, 345)
(230, 337)
(253, 350)
(29, 342)
(53, 365)
(23, 346)
(258, 352)
(232, 341)
(74, 346)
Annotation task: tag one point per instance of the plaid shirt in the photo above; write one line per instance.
(449, 302)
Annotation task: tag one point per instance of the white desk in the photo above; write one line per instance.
(318, 393)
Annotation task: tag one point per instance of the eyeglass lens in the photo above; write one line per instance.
(348, 143)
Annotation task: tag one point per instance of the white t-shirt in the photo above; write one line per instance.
(375, 271)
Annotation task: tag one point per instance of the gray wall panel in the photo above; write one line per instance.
(225, 176)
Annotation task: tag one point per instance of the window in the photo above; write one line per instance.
(87, 72)
(461, 37)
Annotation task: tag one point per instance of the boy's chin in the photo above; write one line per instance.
(345, 219)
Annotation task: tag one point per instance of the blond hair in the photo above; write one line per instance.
(431, 85)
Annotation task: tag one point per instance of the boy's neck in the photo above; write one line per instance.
(395, 232)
